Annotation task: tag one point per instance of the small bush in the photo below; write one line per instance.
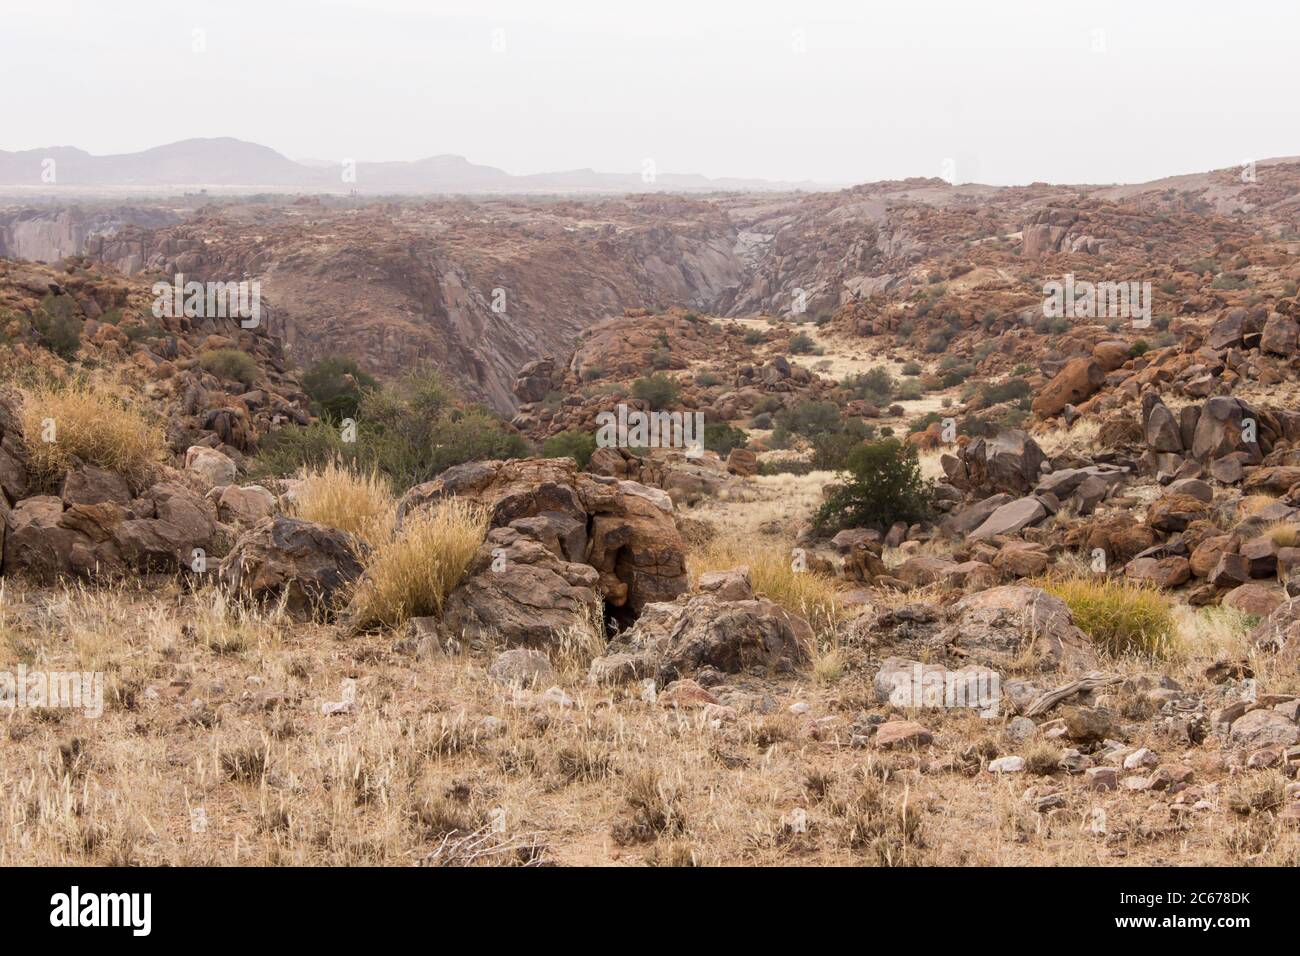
(884, 486)
(659, 391)
(359, 503)
(912, 368)
(411, 574)
(1118, 616)
(230, 364)
(89, 421)
(802, 344)
(708, 379)
(58, 325)
(578, 445)
(721, 437)
(336, 387)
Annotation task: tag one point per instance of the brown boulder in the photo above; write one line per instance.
(308, 566)
(1076, 382)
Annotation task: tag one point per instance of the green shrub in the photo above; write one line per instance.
(721, 437)
(335, 386)
(58, 325)
(802, 344)
(708, 379)
(875, 385)
(753, 337)
(884, 485)
(912, 368)
(909, 391)
(410, 431)
(578, 445)
(659, 390)
(229, 364)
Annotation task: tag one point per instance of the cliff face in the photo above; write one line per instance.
(479, 288)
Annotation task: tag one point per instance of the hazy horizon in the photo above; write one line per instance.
(825, 92)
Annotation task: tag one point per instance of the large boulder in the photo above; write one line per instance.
(1221, 430)
(1009, 462)
(627, 529)
(211, 466)
(674, 639)
(1010, 518)
(306, 565)
(169, 528)
(1018, 623)
(523, 594)
(1076, 382)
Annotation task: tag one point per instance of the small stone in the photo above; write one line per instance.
(1101, 778)
(1139, 759)
(1019, 729)
(1011, 764)
(902, 734)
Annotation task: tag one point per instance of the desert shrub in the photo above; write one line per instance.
(1140, 347)
(802, 344)
(57, 324)
(336, 386)
(575, 444)
(411, 574)
(593, 372)
(875, 385)
(831, 435)
(786, 466)
(753, 337)
(937, 342)
(762, 421)
(775, 574)
(884, 485)
(659, 391)
(357, 502)
(995, 393)
(955, 373)
(230, 364)
(661, 358)
(721, 437)
(909, 391)
(708, 379)
(1118, 616)
(912, 368)
(409, 431)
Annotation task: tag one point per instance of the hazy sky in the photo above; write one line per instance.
(837, 92)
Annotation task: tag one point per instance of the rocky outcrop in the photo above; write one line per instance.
(168, 528)
(306, 566)
(671, 640)
(520, 592)
(1010, 462)
(623, 529)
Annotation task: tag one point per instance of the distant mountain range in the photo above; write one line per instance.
(232, 165)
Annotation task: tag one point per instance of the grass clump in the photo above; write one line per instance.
(774, 574)
(88, 420)
(411, 574)
(230, 364)
(1119, 616)
(357, 502)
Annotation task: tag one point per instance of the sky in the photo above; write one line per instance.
(834, 92)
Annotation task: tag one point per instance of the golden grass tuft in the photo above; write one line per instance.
(773, 575)
(89, 420)
(1119, 616)
(411, 574)
(1284, 534)
(358, 503)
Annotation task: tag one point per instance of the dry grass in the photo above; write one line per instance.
(1118, 616)
(359, 503)
(89, 420)
(412, 574)
(1284, 534)
(774, 575)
